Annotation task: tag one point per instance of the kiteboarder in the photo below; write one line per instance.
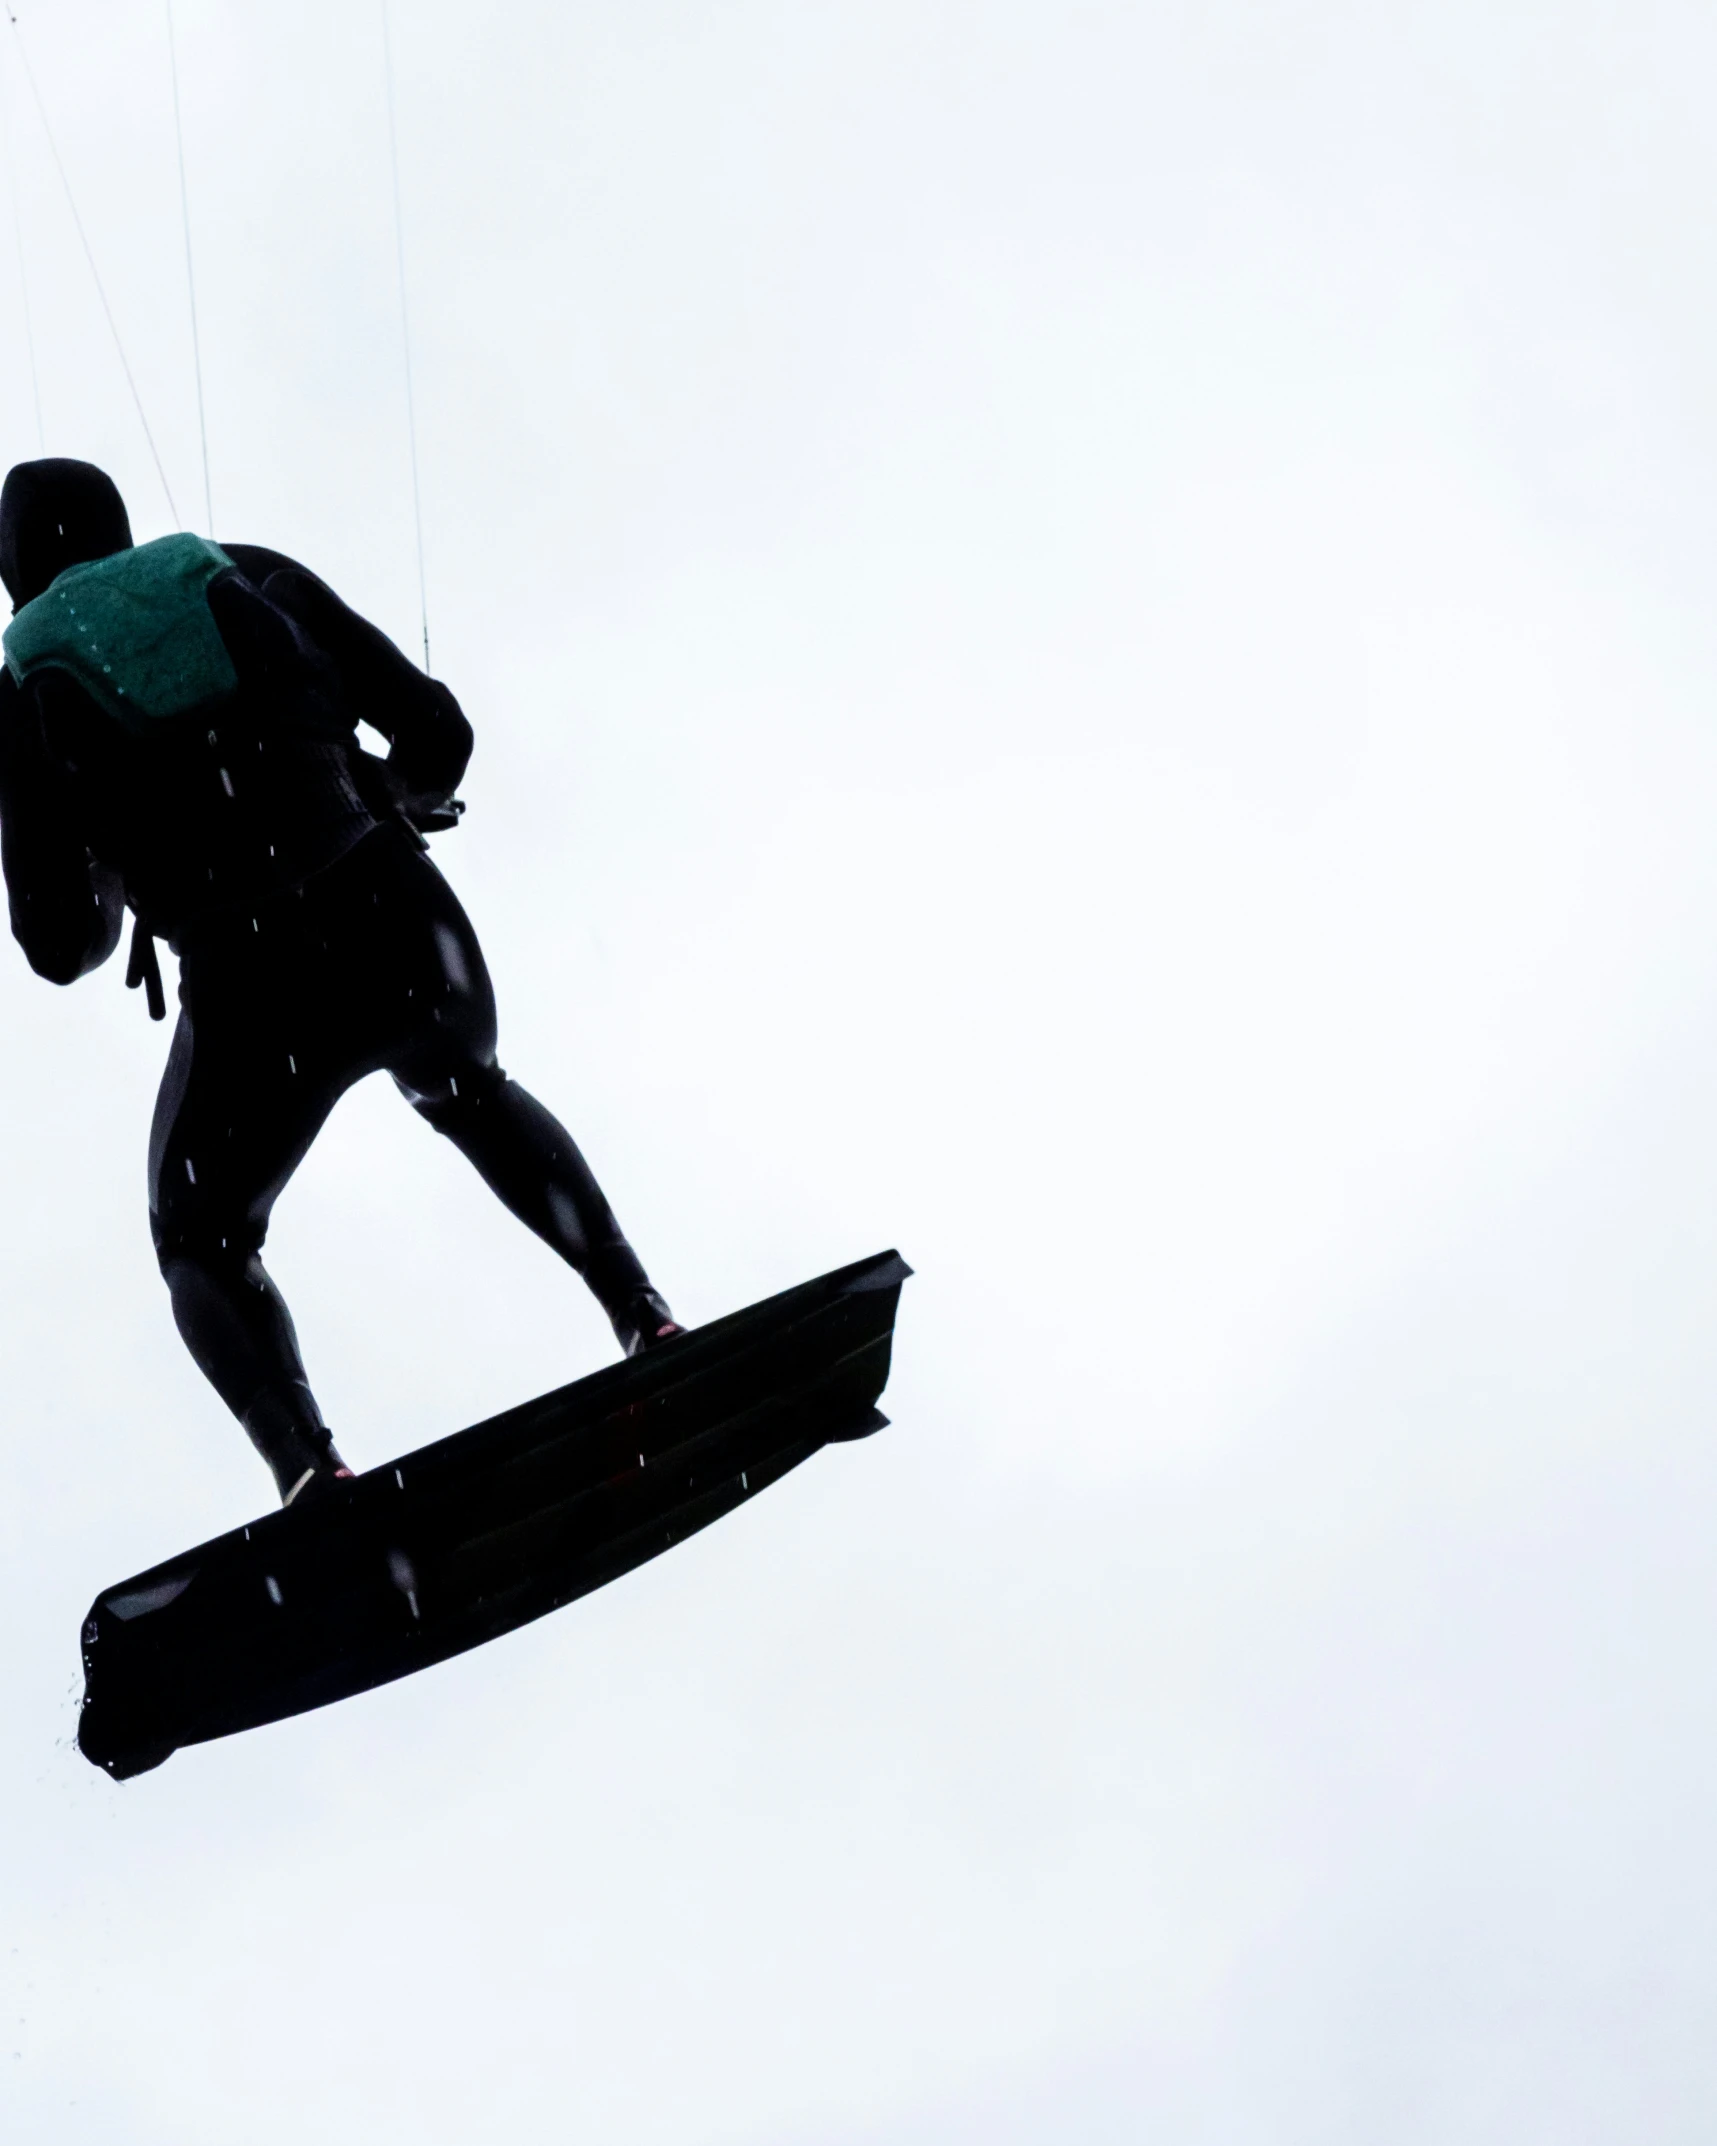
(178, 737)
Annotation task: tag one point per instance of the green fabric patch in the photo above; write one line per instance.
(135, 630)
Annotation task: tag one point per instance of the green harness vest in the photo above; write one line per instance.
(134, 630)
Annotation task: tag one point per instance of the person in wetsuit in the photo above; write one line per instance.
(316, 942)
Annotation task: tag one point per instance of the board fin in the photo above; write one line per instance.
(481, 1532)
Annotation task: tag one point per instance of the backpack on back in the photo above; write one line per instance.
(134, 630)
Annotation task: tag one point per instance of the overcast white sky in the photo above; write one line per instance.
(1091, 640)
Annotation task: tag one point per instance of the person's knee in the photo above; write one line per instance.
(455, 1098)
(211, 1246)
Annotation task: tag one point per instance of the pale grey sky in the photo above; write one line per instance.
(1090, 639)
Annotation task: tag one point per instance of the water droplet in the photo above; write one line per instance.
(273, 1590)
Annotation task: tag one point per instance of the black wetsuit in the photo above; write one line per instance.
(317, 944)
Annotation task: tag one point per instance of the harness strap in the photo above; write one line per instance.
(143, 968)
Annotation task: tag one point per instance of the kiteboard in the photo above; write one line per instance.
(479, 1533)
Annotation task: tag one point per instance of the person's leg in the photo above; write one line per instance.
(235, 1116)
(372, 964)
(531, 1163)
(448, 1072)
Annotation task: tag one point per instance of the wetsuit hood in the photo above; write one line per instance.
(54, 514)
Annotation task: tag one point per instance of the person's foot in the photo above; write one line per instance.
(288, 1431)
(316, 1483)
(644, 1322)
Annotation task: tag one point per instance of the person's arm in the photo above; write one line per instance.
(430, 741)
(66, 909)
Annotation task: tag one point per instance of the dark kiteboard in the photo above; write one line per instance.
(481, 1532)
